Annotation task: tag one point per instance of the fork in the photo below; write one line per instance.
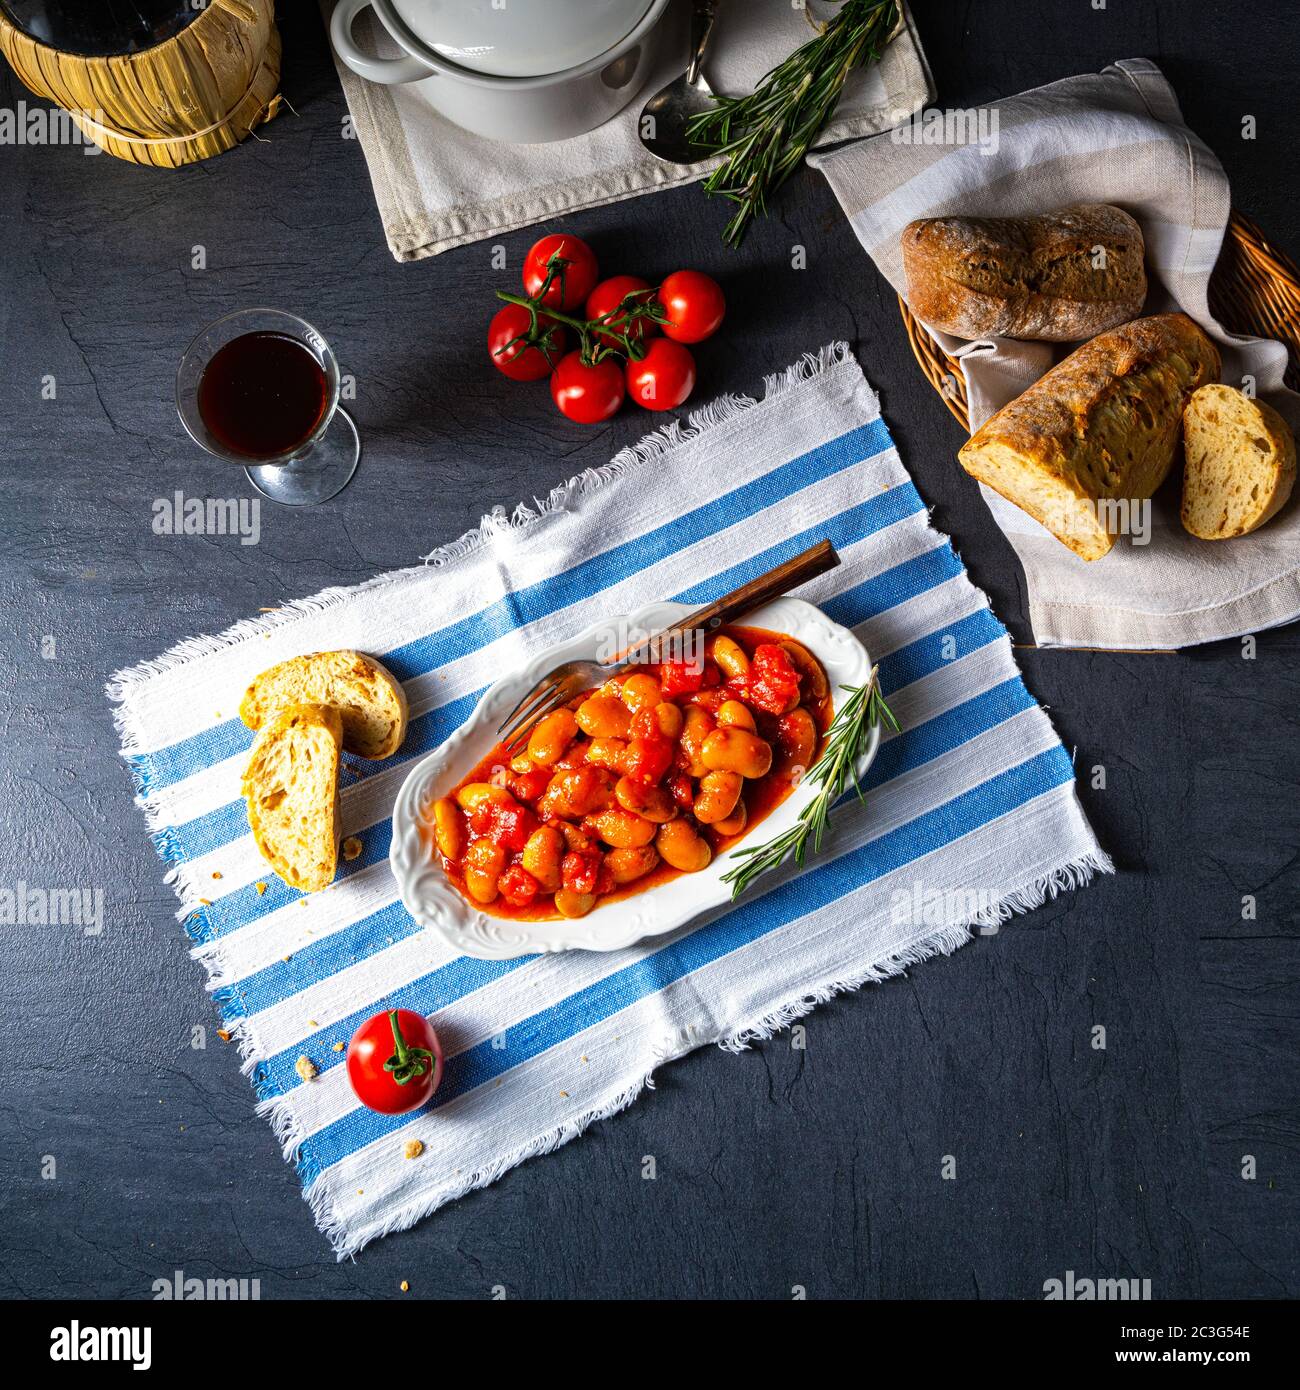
(561, 684)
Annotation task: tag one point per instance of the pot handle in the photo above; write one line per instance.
(386, 70)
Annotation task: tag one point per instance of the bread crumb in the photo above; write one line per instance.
(565, 1094)
(338, 1047)
(412, 1149)
(224, 1034)
(261, 888)
(216, 873)
(311, 1023)
(207, 902)
(286, 959)
(351, 847)
(404, 1286)
(306, 1068)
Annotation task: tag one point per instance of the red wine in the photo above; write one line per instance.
(262, 394)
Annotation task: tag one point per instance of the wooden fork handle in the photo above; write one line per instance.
(815, 560)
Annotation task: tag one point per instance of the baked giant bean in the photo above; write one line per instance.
(681, 846)
(622, 829)
(631, 863)
(736, 750)
(733, 715)
(448, 828)
(604, 717)
(730, 656)
(549, 740)
(653, 803)
(717, 797)
(542, 855)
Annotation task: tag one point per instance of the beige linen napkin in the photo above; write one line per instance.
(1118, 137)
(438, 186)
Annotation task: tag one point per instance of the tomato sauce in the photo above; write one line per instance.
(607, 751)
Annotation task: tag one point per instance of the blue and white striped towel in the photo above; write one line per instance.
(971, 812)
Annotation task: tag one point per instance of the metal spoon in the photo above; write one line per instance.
(665, 116)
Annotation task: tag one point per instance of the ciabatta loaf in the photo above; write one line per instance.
(1240, 463)
(367, 695)
(1059, 277)
(1098, 432)
(291, 788)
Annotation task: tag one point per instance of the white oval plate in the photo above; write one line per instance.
(436, 903)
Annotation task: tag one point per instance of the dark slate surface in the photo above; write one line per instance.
(777, 1168)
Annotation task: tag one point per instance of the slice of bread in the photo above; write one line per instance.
(292, 790)
(368, 696)
(1240, 463)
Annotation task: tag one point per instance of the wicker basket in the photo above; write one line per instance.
(1255, 289)
(194, 95)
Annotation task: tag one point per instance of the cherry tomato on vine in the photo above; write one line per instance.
(694, 305)
(609, 294)
(518, 360)
(573, 283)
(395, 1061)
(663, 378)
(587, 394)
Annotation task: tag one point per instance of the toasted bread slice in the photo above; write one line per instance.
(368, 696)
(1240, 463)
(292, 790)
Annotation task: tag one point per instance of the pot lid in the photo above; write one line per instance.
(520, 38)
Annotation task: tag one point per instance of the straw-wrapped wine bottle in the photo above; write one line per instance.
(159, 82)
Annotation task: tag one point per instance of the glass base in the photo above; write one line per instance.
(320, 474)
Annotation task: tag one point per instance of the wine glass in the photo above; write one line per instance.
(260, 387)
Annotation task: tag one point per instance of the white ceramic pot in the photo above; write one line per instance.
(522, 71)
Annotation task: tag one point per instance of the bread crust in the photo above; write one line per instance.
(1026, 277)
(367, 694)
(1104, 424)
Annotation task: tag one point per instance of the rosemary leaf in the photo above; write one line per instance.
(832, 773)
(762, 138)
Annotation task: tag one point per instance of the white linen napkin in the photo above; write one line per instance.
(438, 186)
(1111, 137)
(970, 813)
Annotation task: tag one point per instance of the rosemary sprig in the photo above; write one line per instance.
(763, 137)
(846, 740)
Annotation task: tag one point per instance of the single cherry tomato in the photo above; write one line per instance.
(694, 305)
(519, 360)
(609, 294)
(395, 1061)
(663, 378)
(587, 394)
(573, 281)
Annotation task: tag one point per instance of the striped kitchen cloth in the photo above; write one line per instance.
(970, 812)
